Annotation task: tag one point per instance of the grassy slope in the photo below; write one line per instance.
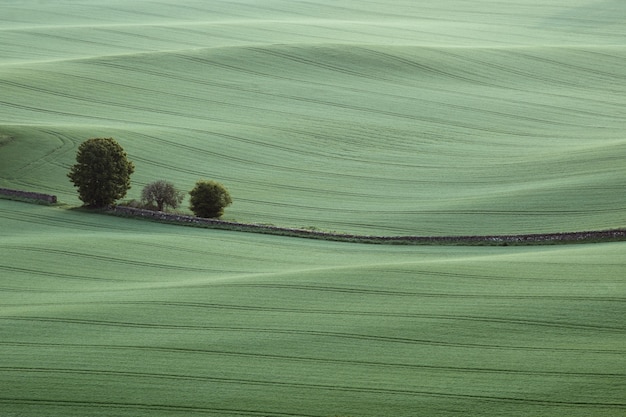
(445, 118)
(424, 120)
(102, 316)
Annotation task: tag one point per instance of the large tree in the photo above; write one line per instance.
(209, 198)
(162, 193)
(102, 172)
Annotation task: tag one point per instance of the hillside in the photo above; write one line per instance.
(103, 316)
(424, 120)
(361, 117)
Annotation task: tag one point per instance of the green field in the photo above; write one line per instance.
(367, 117)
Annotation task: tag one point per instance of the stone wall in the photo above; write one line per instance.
(52, 199)
(489, 240)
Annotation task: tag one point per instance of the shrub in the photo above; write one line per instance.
(102, 172)
(208, 199)
(161, 194)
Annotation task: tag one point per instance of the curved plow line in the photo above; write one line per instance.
(57, 221)
(35, 290)
(443, 317)
(590, 70)
(435, 120)
(520, 322)
(326, 85)
(253, 162)
(81, 116)
(197, 150)
(78, 40)
(116, 104)
(514, 71)
(186, 115)
(429, 295)
(314, 333)
(131, 121)
(322, 102)
(552, 403)
(193, 250)
(117, 260)
(65, 146)
(241, 139)
(54, 221)
(149, 407)
(312, 63)
(130, 35)
(308, 359)
(247, 181)
(472, 277)
(314, 191)
(54, 275)
(435, 71)
(239, 381)
(153, 110)
(570, 86)
(23, 183)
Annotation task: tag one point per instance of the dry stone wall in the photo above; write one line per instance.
(52, 199)
(494, 240)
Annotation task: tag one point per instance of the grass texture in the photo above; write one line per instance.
(109, 316)
(366, 117)
(434, 118)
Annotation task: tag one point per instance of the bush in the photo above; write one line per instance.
(161, 194)
(208, 199)
(102, 172)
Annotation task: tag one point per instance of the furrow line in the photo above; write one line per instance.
(381, 292)
(309, 62)
(249, 181)
(307, 333)
(50, 274)
(213, 379)
(309, 359)
(378, 111)
(117, 260)
(57, 221)
(590, 70)
(301, 169)
(515, 116)
(149, 407)
(338, 388)
(445, 317)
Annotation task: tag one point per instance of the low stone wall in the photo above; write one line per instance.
(492, 240)
(52, 199)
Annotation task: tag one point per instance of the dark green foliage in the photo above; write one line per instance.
(208, 199)
(102, 172)
(161, 193)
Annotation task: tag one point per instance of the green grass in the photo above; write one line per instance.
(102, 315)
(425, 120)
(367, 117)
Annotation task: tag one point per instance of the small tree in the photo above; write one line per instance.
(209, 198)
(102, 172)
(163, 194)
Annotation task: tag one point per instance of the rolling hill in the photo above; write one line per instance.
(102, 315)
(336, 116)
(366, 117)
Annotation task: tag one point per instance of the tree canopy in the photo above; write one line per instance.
(209, 198)
(163, 194)
(102, 172)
